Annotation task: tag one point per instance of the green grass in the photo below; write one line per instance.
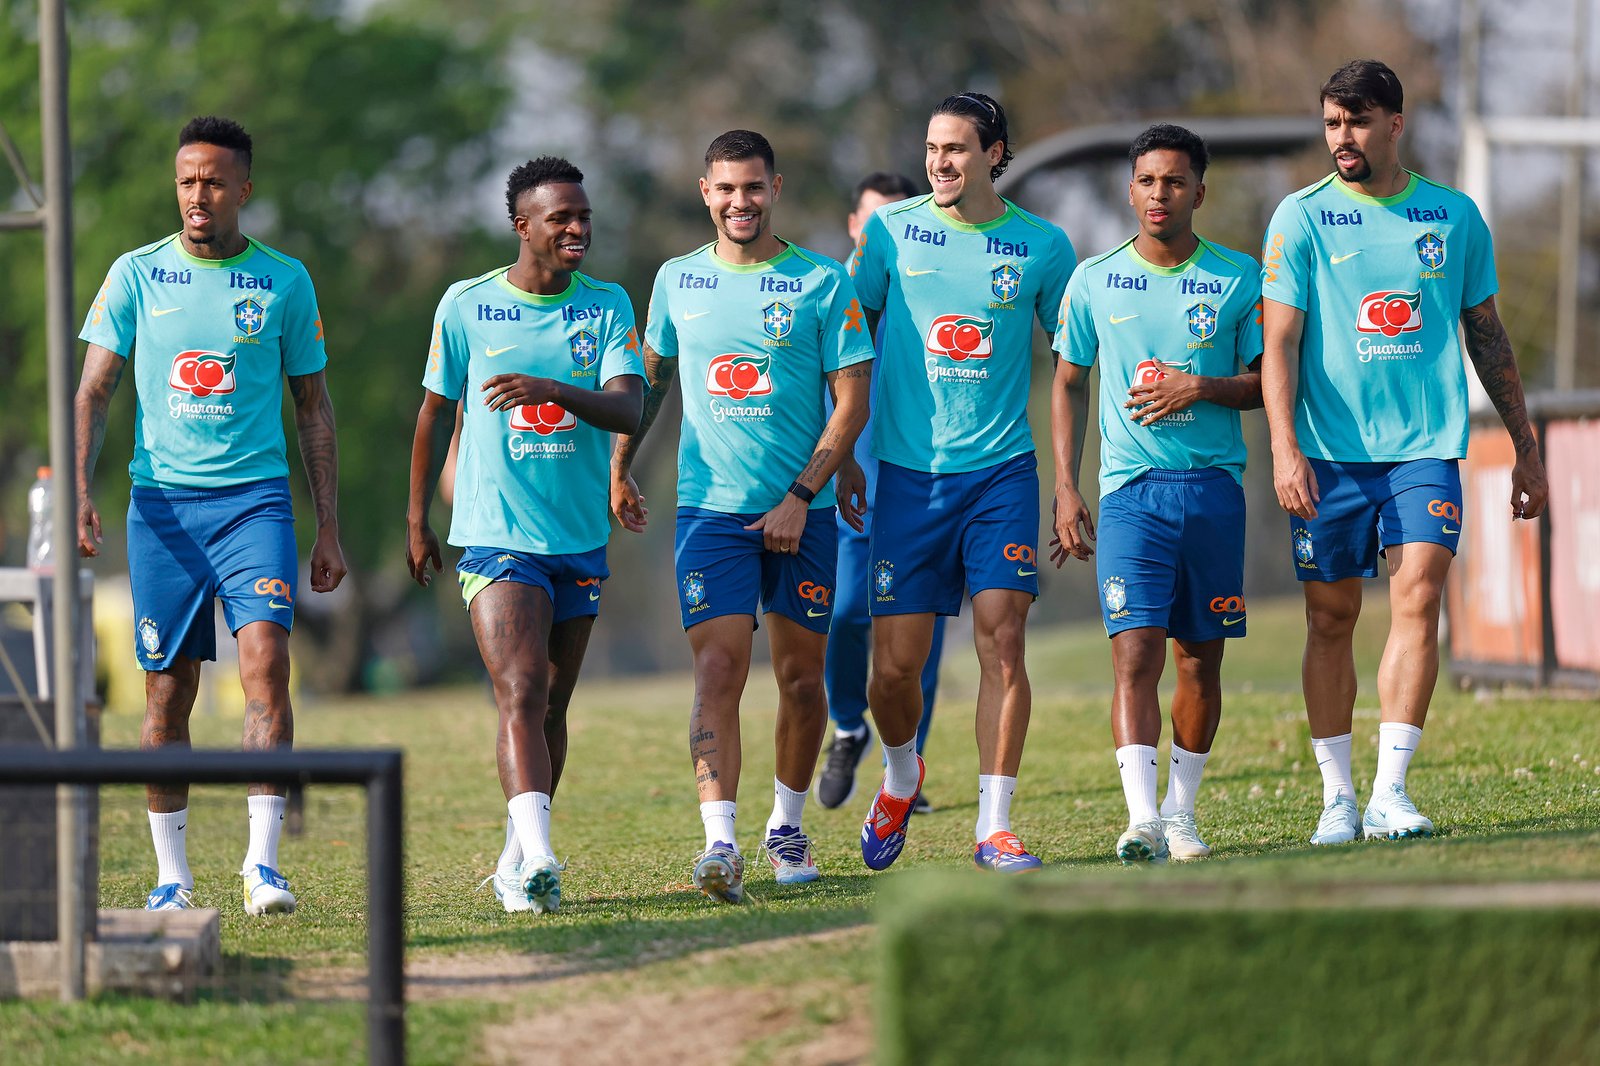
(1512, 783)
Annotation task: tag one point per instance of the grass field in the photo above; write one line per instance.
(623, 973)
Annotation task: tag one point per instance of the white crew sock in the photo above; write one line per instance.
(855, 734)
(530, 813)
(168, 832)
(787, 806)
(900, 777)
(718, 816)
(511, 854)
(266, 825)
(1183, 780)
(1397, 742)
(1333, 759)
(1137, 762)
(994, 804)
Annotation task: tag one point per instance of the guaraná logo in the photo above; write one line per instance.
(1390, 312)
(543, 419)
(202, 373)
(961, 337)
(737, 375)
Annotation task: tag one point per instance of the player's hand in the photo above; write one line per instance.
(517, 390)
(1074, 526)
(327, 562)
(1530, 489)
(627, 503)
(1295, 483)
(422, 548)
(782, 526)
(850, 486)
(1171, 393)
(88, 527)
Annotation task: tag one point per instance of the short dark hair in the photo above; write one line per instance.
(222, 132)
(1164, 136)
(737, 145)
(1364, 83)
(884, 183)
(546, 170)
(988, 116)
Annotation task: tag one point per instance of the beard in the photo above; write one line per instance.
(1358, 173)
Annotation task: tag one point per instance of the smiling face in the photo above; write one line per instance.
(957, 164)
(1363, 143)
(554, 223)
(740, 194)
(1164, 192)
(213, 184)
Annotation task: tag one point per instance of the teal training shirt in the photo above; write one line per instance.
(211, 341)
(1382, 283)
(959, 302)
(754, 345)
(533, 478)
(1202, 316)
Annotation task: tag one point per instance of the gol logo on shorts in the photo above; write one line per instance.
(273, 586)
(1444, 509)
(1227, 605)
(817, 594)
(1018, 553)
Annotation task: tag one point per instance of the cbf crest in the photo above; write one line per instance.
(1005, 282)
(585, 348)
(694, 588)
(777, 318)
(1115, 592)
(1203, 321)
(149, 636)
(883, 578)
(249, 316)
(1302, 546)
(1430, 250)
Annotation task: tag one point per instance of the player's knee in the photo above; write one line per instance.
(1415, 600)
(893, 671)
(718, 670)
(1332, 618)
(802, 688)
(1004, 646)
(1138, 661)
(265, 674)
(522, 692)
(1198, 671)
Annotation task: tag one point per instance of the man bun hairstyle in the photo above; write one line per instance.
(546, 170)
(738, 145)
(988, 116)
(1164, 136)
(1364, 83)
(222, 132)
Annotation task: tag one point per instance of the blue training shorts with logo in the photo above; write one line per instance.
(723, 568)
(188, 546)
(571, 581)
(935, 534)
(1170, 554)
(1368, 508)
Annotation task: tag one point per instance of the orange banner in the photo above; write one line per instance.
(1572, 455)
(1494, 599)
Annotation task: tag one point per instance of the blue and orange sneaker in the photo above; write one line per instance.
(1004, 854)
(883, 834)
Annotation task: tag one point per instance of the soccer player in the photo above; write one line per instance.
(850, 635)
(763, 329)
(1171, 319)
(959, 275)
(1365, 276)
(547, 361)
(218, 320)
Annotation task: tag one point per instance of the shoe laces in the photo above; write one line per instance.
(1399, 802)
(1184, 824)
(841, 758)
(1336, 814)
(791, 850)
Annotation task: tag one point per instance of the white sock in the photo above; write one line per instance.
(1137, 762)
(266, 824)
(1397, 742)
(1333, 759)
(167, 831)
(859, 731)
(718, 816)
(530, 813)
(1183, 781)
(787, 806)
(900, 777)
(511, 854)
(994, 804)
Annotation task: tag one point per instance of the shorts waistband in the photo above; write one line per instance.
(1185, 476)
(184, 494)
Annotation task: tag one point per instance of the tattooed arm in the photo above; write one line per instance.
(319, 448)
(1490, 351)
(627, 502)
(102, 370)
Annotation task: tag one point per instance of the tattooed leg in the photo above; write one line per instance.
(264, 676)
(721, 665)
(168, 699)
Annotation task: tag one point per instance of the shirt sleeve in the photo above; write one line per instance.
(1058, 272)
(1481, 281)
(1247, 341)
(1286, 257)
(301, 338)
(447, 355)
(113, 318)
(1075, 336)
(621, 355)
(872, 262)
(845, 340)
(659, 332)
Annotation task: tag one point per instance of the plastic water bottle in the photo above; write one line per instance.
(40, 526)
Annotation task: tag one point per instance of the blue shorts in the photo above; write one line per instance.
(934, 534)
(724, 568)
(1170, 554)
(187, 546)
(1367, 508)
(571, 581)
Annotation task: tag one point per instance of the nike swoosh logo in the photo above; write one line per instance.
(1232, 621)
(814, 614)
(593, 596)
(1450, 531)
(182, 827)
(691, 316)
(1025, 573)
(157, 312)
(1337, 259)
(1119, 766)
(276, 606)
(490, 353)
(918, 273)
(1115, 321)
(1399, 748)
